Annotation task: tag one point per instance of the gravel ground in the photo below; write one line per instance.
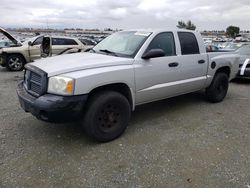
(179, 142)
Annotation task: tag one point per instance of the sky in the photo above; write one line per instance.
(124, 14)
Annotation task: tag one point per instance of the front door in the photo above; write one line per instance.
(34, 49)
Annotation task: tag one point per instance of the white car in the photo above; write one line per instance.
(15, 56)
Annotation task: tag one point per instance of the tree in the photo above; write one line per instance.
(181, 25)
(232, 31)
(189, 25)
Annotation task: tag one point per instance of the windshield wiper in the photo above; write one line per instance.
(108, 52)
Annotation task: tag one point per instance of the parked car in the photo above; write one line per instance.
(126, 69)
(88, 42)
(17, 55)
(57, 45)
(212, 48)
(244, 66)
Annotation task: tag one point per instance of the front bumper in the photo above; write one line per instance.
(52, 108)
(2, 60)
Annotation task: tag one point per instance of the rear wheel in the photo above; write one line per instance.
(217, 91)
(107, 116)
(15, 62)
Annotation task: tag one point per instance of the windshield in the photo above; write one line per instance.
(122, 44)
(244, 50)
(32, 39)
(4, 41)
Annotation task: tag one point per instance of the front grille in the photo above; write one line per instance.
(35, 87)
(35, 77)
(35, 81)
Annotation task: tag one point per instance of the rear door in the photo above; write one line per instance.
(62, 45)
(194, 62)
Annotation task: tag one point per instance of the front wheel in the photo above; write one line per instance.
(15, 62)
(217, 91)
(107, 116)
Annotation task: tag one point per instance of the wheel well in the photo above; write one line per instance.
(225, 70)
(118, 87)
(7, 55)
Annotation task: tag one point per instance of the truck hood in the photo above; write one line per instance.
(79, 61)
(9, 36)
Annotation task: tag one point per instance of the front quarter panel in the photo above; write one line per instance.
(87, 80)
(23, 50)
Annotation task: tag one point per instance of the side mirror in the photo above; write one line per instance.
(153, 53)
(30, 43)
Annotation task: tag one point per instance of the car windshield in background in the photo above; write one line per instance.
(245, 50)
(122, 44)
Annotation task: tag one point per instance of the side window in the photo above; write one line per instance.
(61, 41)
(189, 44)
(38, 41)
(70, 42)
(56, 41)
(164, 41)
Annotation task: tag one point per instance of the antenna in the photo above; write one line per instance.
(47, 23)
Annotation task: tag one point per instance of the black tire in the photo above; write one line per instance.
(217, 91)
(15, 62)
(107, 116)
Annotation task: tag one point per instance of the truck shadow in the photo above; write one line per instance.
(72, 132)
(165, 107)
(241, 81)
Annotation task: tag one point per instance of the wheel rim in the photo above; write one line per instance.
(15, 63)
(109, 118)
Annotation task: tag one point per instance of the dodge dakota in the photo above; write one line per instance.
(129, 68)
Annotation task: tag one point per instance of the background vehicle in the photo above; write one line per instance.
(88, 42)
(57, 45)
(126, 69)
(15, 56)
(212, 48)
(244, 53)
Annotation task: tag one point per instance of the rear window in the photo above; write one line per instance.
(62, 41)
(189, 44)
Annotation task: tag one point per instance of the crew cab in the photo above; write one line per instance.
(129, 68)
(15, 56)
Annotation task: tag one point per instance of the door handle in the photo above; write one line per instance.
(174, 64)
(201, 61)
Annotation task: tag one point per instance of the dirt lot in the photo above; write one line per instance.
(180, 142)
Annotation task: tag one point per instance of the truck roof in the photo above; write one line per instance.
(162, 30)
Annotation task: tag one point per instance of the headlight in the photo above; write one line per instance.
(61, 85)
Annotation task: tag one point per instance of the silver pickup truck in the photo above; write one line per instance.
(129, 68)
